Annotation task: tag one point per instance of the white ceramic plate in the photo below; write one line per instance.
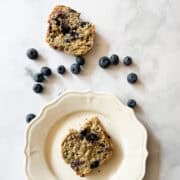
(46, 132)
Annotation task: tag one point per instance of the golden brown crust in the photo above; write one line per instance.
(68, 33)
(60, 8)
(87, 149)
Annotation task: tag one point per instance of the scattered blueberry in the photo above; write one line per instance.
(75, 69)
(127, 60)
(91, 137)
(114, 59)
(104, 62)
(32, 53)
(61, 69)
(38, 88)
(131, 103)
(94, 164)
(132, 78)
(46, 71)
(38, 77)
(29, 117)
(80, 60)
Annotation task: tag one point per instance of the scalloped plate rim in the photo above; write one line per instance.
(84, 92)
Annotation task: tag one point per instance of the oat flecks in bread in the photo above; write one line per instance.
(69, 33)
(88, 148)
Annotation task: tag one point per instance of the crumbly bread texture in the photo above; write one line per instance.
(88, 148)
(67, 32)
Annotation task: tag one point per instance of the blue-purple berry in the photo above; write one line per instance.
(30, 117)
(61, 69)
(32, 53)
(132, 78)
(104, 62)
(114, 59)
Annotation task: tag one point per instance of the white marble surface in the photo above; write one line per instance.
(146, 30)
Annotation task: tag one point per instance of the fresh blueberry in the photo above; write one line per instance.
(132, 78)
(46, 71)
(127, 60)
(80, 60)
(38, 77)
(104, 62)
(38, 88)
(114, 59)
(32, 53)
(29, 117)
(131, 103)
(61, 69)
(94, 164)
(75, 69)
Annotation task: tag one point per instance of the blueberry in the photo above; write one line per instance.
(61, 69)
(84, 132)
(29, 117)
(94, 164)
(104, 62)
(46, 71)
(127, 60)
(114, 59)
(91, 137)
(131, 103)
(80, 60)
(75, 69)
(65, 28)
(132, 78)
(32, 53)
(38, 88)
(83, 23)
(38, 77)
(74, 34)
(75, 164)
(58, 22)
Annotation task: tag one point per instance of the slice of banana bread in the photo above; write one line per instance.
(67, 32)
(88, 148)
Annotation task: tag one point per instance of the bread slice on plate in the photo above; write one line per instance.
(87, 149)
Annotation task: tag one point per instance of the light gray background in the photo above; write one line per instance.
(147, 30)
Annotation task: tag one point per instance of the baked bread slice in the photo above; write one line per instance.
(67, 32)
(88, 148)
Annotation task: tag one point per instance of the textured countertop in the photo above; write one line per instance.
(146, 30)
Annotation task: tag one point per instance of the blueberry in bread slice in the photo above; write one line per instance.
(87, 149)
(69, 33)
